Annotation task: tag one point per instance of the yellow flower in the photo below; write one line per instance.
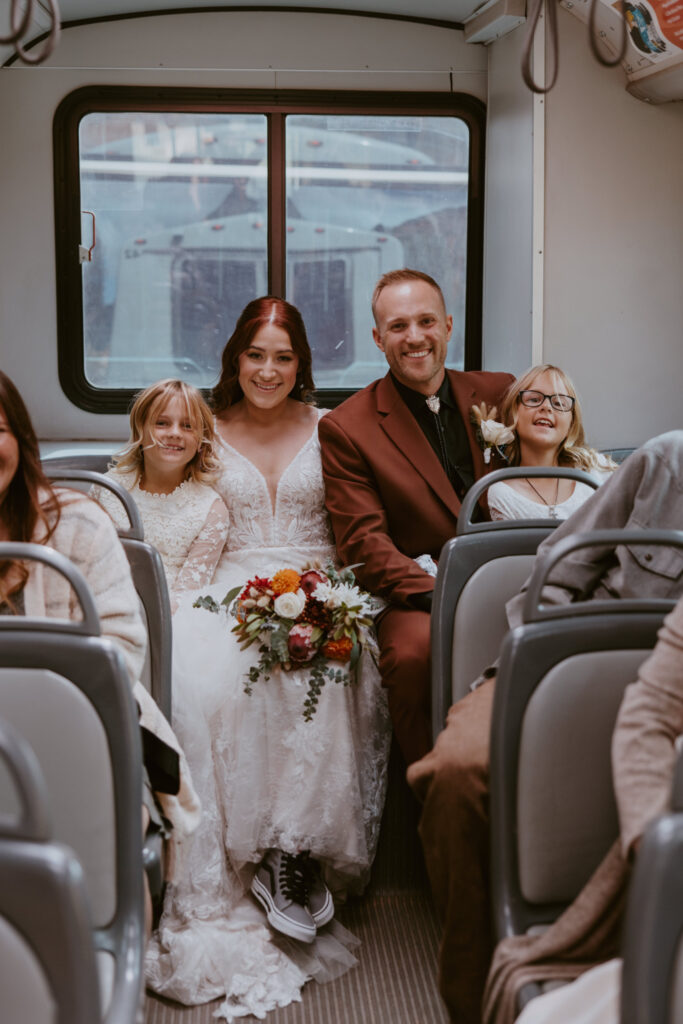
(286, 581)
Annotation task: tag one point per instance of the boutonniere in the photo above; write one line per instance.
(489, 432)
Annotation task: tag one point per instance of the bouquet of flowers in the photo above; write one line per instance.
(490, 433)
(314, 619)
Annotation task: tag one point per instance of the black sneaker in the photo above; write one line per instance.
(280, 887)
(319, 898)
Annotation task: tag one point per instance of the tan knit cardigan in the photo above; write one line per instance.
(86, 536)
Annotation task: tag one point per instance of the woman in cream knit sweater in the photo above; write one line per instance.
(67, 521)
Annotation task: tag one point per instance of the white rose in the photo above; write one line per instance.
(291, 605)
(496, 433)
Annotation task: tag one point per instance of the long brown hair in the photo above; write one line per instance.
(29, 502)
(257, 314)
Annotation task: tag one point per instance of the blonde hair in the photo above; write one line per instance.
(205, 466)
(573, 451)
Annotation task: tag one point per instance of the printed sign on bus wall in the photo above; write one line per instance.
(655, 27)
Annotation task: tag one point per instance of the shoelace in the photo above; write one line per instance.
(293, 877)
(310, 869)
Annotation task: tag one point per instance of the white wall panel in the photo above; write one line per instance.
(614, 247)
(508, 222)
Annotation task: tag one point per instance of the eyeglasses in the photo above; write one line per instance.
(532, 399)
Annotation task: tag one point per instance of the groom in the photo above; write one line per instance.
(397, 458)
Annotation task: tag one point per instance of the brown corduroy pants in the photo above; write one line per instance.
(452, 781)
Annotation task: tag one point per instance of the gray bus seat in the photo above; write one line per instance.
(652, 973)
(149, 578)
(480, 569)
(65, 689)
(560, 682)
(47, 959)
(98, 463)
(618, 455)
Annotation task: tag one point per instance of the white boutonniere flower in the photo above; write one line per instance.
(490, 432)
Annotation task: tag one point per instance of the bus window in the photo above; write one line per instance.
(406, 180)
(181, 203)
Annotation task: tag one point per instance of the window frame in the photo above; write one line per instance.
(276, 105)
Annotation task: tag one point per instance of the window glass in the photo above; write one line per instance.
(367, 194)
(180, 213)
(174, 208)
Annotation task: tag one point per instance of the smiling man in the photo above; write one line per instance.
(398, 457)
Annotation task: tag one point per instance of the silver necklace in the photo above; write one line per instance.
(552, 510)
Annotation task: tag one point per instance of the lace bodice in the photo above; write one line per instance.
(299, 520)
(188, 527)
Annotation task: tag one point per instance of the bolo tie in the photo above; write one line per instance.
(434, 405)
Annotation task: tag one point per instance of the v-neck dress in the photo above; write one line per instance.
(266, 777)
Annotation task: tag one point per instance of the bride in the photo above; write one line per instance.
(291, 808)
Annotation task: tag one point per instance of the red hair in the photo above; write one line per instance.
(257, 314)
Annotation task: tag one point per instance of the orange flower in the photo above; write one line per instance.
(338, 650)
(286, 581)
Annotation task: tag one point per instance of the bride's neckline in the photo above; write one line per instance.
(272, 497)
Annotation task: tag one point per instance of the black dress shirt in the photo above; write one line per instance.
(454, 454)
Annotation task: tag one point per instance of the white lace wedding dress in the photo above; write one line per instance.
(266, 777)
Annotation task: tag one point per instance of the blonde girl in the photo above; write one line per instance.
(169, 465)
(542, 409)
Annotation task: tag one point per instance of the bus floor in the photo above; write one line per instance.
(395, 980)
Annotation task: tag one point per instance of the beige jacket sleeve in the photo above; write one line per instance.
(649, 722)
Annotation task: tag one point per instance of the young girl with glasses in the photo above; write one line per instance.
(543, 410)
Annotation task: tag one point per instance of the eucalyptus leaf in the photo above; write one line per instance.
(231, 595)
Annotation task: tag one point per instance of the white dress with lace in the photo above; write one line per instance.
(266, 777)
(506, 502)
(188, 527)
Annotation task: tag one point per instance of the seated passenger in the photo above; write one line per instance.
(292, 802)
(31, 510)
(644, 754)
(168, 466)
(542, 409)
(452, 780)
(398, 457)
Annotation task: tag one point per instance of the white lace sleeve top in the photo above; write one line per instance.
(188, 527)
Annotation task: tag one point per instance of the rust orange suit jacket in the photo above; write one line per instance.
(387, 493)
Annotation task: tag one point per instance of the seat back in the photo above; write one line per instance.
(149, 578)
(480, 569)
(65, 689)
(48, 973)
(96, 462)
(560, 682)
(652, 974)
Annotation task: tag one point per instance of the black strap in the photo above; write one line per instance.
(535, 11)
(162, 763)
(459, 485)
